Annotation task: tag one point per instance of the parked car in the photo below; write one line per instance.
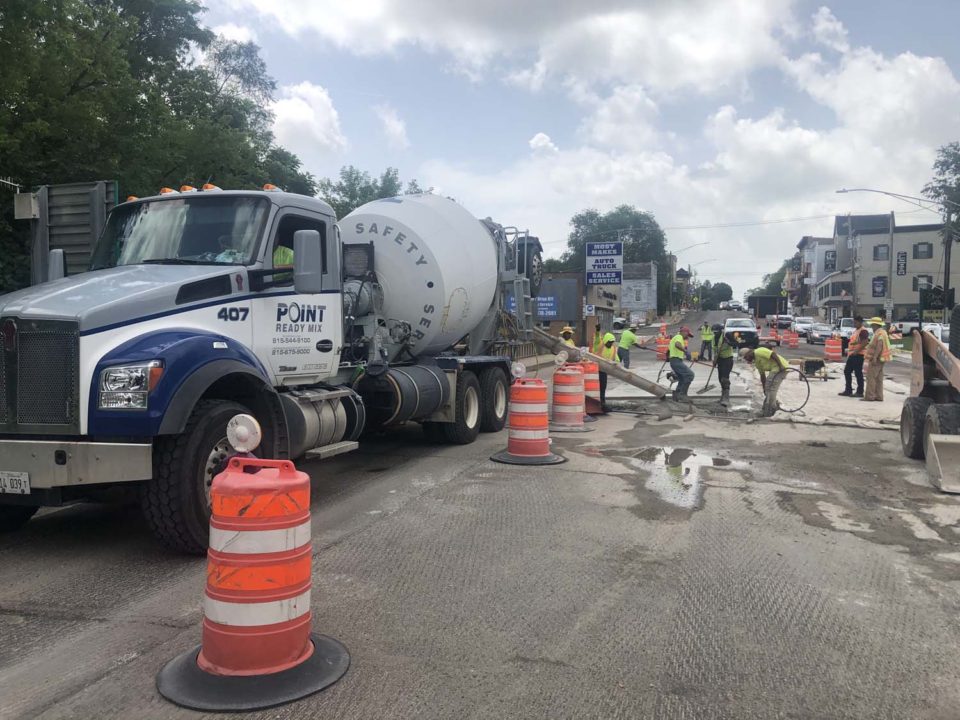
(801, 324)
(724, 305)
(844, 328)
(735, 305)
(783, 322)
(818, 333)
(741, 332)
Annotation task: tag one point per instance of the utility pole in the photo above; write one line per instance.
(948, 244)
(853, 266)
(890, 275)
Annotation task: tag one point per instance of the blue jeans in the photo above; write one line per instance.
(684, 375)
(624, 354)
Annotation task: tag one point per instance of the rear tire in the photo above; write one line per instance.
(176, 502)
(466, 427)
(912, 419)
(941, 419)
(494, 400)
(14, 517)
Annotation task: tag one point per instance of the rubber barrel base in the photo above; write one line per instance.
(589, 418)
(570, 428)
(182, 682)
(508, 459)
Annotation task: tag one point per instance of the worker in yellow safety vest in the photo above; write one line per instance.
(877, 354)
(678, 352)
(628, 338)
(768, 362)
(567, 336)
(706, 342)
(608, 351)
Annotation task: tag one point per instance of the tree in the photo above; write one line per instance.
(773, 282)
(357, 187)
(711, 295)
(643, 241)
(106, 89)
(945, 185)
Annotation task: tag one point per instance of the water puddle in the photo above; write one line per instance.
(676, 473)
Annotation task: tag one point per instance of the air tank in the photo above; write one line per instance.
(436, 263)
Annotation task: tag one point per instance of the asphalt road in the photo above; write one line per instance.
(676, 569)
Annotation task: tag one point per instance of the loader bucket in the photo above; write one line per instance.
(943, 462)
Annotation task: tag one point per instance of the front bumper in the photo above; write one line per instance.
(54, 463)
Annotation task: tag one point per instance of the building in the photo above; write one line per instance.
(560, 302)
(880, 264)
(813, 267)
(638, 293)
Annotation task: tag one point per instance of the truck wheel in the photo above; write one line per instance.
(532, 260)
(14, 517)
(912, 418)
(955, 331)
(941, 419)
(493, 400)
(176, 503)
(467, 425)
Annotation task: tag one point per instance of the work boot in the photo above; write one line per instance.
(858, 393)
(725, 397)
(848, 393)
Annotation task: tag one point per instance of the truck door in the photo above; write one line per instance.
(297, 337)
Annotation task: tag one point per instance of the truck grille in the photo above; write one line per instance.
(39, 383)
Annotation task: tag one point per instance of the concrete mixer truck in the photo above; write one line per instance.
(199, 306)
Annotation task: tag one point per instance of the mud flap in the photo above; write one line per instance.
(943, 462)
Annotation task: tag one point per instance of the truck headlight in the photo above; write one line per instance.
(126, 387)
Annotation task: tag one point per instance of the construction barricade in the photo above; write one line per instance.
(528, 426)
(568, 400)
(591, 388)
(792, 339)
(663, 347)
(257, 647)
(833, 349)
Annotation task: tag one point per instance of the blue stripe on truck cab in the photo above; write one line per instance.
(183, 353)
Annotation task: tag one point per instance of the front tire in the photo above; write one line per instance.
(494, 400)
(466, 427)
(14, 517)
(912, 418)
(176, 503)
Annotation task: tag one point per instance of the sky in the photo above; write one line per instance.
(701, 112)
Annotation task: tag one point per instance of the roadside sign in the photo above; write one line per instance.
(901, 263)
(888, 304)
(547, 307)
(604, 263)
(589, 310)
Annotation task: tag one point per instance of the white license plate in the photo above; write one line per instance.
(14, 483)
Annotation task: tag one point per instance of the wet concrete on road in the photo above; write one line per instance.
(669, 569)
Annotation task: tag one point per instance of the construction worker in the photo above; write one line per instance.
(628, 338)
(767, 361)
(723, 362)
(608, 351)
(877, 353)
(854, 366)
(597, 345)
(567, 336)
(678, 352)
(706, 342)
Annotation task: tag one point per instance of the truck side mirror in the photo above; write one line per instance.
(56, 265)
(307, 262)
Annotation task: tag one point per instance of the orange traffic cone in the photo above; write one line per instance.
(258, 650)
(568, 400)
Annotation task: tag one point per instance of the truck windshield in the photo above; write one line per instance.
(196, 231)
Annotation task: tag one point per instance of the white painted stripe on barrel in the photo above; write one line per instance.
(531, 408)
(529, 434)
(568, 410)
(567, 389)
(249, 542)
(254, 614)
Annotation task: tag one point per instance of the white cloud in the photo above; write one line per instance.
(541, 142)
(394, 128)
(663, 44)
(307, 123)
(238, 33)
(829, 31)
(625, 119)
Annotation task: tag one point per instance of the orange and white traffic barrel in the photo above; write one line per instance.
(528, 427)
(591, 387)
(568, 400)
(833, 349)
(663, 346)
(257, 647)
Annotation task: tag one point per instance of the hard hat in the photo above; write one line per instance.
(686, 331)
(717, 327)
(567, 329)
(876, 321)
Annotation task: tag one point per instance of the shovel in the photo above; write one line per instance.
(708, 386)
